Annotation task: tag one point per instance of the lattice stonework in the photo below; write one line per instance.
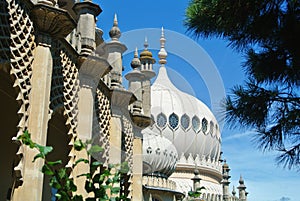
(21, 48)
(64, 90)
(70, 91)
(102, 125)
(128, 152)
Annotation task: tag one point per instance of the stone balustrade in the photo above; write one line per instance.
(154, 181)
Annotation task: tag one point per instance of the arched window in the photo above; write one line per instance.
(196, 123)
(204, 125)
(173, 120)
(161, 120)
(185, 121)
(211, 127)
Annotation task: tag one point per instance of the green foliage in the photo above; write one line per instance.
(267, 32)
(96, 183)
(197, 193)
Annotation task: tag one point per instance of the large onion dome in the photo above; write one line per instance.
(184, 120)
(159, 153)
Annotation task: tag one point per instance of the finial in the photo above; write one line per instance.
(162, 53)
(241, 181)
(115, 32)
(135, 63)
(233, 191)
(146, 45)
(115, 20)
(162, 38)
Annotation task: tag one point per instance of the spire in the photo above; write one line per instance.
(241, 181)
(135, 63)
(233, 191)
(146, 43)
(162, 53)
(115, 32)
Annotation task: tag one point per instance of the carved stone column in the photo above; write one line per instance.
(90, 72)
(120, 99)
(87, 12)
(49, 23)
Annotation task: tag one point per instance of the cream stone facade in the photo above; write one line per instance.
(61, 81)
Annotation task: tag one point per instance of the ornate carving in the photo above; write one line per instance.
(102, 125)
(127, 144)
(64, 90)
(51, 20)
(19, 51)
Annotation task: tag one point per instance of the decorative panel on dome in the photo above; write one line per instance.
(211, 127)
(161, 120)
(157, 151)
(173, 120)
(185, 121)
(196, 123)
(149, 150)
(204, 125)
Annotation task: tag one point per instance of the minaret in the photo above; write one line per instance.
(147, 62)
(87, 11)
(162, 54)
(196, 180)
(242, 190)
(135, 78)
(234, 198)
(225, 182)
(114, 50)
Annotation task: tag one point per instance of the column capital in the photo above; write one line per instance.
(53, 21)
(87, 7)
(93, 68)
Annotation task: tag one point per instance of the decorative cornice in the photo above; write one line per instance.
(141, 120)
(52, 21)
(121, 98)
(87, 7)
(94, 66)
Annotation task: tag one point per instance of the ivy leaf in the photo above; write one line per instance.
(95, 149)
(58, 196)
(47, 171)
(81, 160)
(78, 145)
(62, 173)
(53, 163)
(115, 190)
(39, 155)
(44, 150)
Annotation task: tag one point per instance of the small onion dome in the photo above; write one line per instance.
(146, 54)
(160, 153)
(115, 32)
(225, 165)
(135, 63)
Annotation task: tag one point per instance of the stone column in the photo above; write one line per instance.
(137, 170)
(225, 182)
(242, 190)
(39, 112)
(32, 187)
(114, 50)
(91, 70)
(86, 28)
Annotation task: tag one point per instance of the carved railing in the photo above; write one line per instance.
(154, 181)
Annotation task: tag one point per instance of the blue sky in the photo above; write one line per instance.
(264, 180)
